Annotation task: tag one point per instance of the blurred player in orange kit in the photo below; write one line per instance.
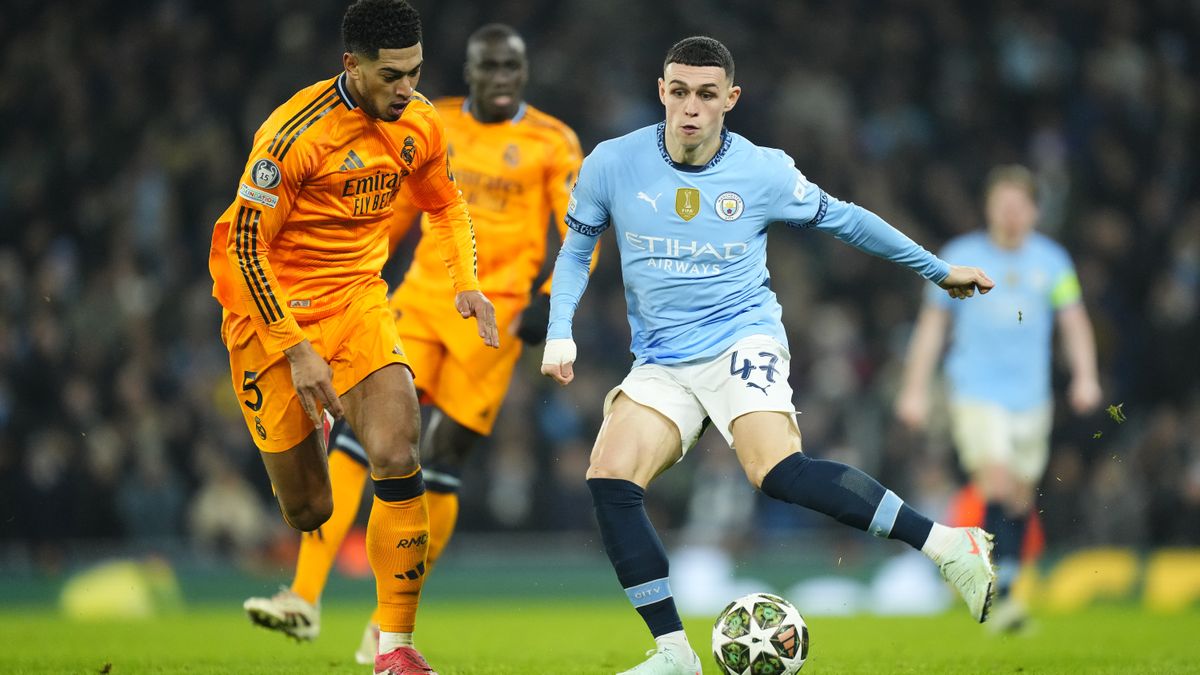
(515, 166)
(296, 262)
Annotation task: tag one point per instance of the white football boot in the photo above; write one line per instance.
(967, 565)
(670, 660)
(287, 613)
(369, 647)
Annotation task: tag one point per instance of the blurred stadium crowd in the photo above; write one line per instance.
(125, 126)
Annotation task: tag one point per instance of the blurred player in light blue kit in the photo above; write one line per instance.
(998, 365)
(690, 203)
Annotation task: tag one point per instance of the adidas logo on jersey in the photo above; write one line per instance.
(352, 162)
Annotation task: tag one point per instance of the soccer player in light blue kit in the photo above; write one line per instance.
(998, 366)
(690, 203)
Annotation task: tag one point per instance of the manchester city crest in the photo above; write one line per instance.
(729, 206)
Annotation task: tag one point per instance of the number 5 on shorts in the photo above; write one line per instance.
(248, 384)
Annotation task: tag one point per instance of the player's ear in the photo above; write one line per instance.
(735, 92)
(350, 63)
(662, 91)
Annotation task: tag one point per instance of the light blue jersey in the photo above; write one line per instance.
(693, 241)
(1001, 342)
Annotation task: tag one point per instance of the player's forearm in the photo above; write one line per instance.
(868, 232)
(1079, 341)
(455, 237)
(570, 280)
(257, 286)
(925, 349)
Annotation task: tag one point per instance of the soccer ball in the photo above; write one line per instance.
(760, 634)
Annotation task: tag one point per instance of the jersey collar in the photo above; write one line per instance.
(726, 139)
(344, 92)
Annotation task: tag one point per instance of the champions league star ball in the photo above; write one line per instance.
(760, 634)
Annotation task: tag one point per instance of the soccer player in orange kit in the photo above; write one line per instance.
(296, 262)
(515, 165)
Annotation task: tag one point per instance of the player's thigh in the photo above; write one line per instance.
(747, 394)
(422, 346)
(650, 420)
(472, 392)
(1031, 443)
(982, 434)
(763, 439)
(635, 443)
(371, 373)
(262, 383)
(282, 431)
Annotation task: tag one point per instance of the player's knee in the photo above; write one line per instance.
(601, 469)
(311, 514)
(395, 461)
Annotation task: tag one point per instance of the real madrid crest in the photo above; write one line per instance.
(729, 206)
(512, 156)
(687, 202)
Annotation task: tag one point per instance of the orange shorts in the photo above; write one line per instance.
(464, 378)
(356, 342)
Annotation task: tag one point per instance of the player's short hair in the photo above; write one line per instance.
(493, 31)
(371, 25)
(1011, 174)
(700, 50)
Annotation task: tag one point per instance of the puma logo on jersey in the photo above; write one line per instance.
(646, 198)
(353, 161)
(759, 387)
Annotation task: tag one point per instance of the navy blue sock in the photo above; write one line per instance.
(636, 552)
(441, 477)
(847, 494)
(1010, 535)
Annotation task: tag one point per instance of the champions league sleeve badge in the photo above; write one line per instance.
(265, 174)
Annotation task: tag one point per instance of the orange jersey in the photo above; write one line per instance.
(515, 176)
(308, 230)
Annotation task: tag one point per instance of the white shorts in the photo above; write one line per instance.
(751, 376)
(988, 433)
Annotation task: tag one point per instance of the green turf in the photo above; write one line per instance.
(589, 637)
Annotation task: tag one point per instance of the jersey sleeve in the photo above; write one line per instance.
(805, 205)
(934, 295)
(268, 188)
(434, 191)
(560, 175)
(587, 207)
(404, 216)
(1065, 290)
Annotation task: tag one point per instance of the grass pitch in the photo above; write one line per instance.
(588, 637)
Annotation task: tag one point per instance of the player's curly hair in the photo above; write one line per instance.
(371, 25)
(700, 50)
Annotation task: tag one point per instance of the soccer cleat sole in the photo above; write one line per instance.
(274, 623)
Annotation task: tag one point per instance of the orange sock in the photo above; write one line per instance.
(319, 548)
(397, 543)
(443, 515)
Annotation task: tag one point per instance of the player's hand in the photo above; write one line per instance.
(530, 327)
(476, 304)
(558, 361)
(313, 379)
(962, 282)
(1084, 395)
(912, 409)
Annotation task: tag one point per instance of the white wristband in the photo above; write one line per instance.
(558, 352)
